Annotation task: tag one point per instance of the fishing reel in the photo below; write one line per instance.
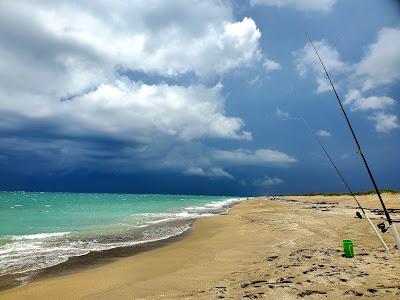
(358, 214)
(383, 227)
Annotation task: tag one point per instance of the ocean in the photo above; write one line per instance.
(40, 230)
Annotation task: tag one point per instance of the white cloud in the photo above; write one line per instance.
(323, 133)
(46, 58)
(271, 65)
(352, 96)
(281, 113)
(135, 111)
(257, 157)
(255, 81)
(304, 5)
(379, 66)
(384, 122)
(268, 181)
(381, 62)
(169, 39)
(195, 154)
(306, 61)
(212, 172)
(358, 102)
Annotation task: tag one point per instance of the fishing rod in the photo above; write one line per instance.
(359, 151)
(344, 181)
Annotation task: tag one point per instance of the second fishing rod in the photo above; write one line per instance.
(344, 181)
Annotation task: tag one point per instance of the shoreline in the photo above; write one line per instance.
(93, 259)
(134, 245)
(259, 249)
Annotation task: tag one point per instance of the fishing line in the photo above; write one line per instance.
(344, 181)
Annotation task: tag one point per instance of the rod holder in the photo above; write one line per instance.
(395, 235)
(376, 233)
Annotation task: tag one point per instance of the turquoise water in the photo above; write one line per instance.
(38, 230)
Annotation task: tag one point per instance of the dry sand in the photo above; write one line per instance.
(280, 249)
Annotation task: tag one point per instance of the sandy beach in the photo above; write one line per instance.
(262, 249)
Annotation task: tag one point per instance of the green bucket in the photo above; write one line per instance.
(348, 248)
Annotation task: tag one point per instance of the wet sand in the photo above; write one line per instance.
(287, 248)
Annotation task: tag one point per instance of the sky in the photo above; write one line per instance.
(196, 97)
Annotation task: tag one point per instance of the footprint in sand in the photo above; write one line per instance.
(272, 258)
(355, 293)
(309, 293)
